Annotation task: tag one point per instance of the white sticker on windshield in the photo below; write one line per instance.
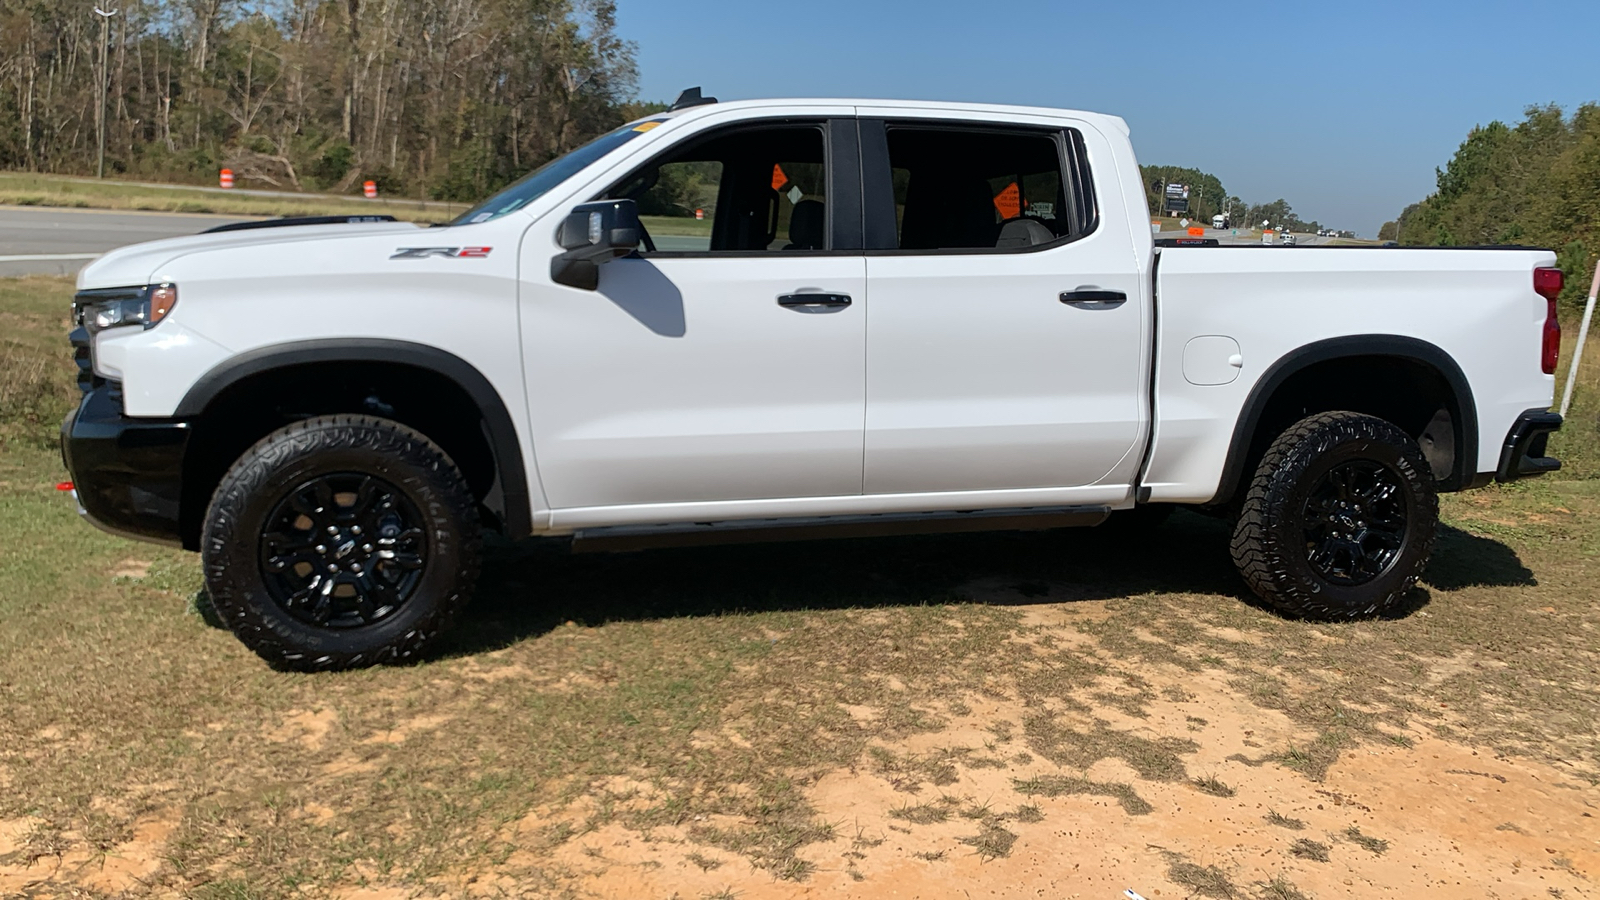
(481, 217)
(795, 194)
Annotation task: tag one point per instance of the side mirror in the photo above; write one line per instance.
(594, 233)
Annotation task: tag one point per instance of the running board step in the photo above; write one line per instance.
(749, 531)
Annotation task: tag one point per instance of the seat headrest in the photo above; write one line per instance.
(1023, 233)
(807, 224)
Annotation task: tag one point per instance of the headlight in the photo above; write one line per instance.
(104, 308)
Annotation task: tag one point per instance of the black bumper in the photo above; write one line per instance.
(127, 473)
(1523, 453)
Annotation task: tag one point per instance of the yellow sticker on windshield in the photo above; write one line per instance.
(645, 126)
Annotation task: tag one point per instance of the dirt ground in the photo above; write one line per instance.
(1015, 793)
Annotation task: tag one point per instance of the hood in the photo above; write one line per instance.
(141, 263)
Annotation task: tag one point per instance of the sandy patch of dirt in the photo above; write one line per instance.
(305, 727)
(131, 568)
(34, 859)
(408, 728)
(1186, 790)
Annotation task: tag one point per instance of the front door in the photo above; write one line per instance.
(725, 361)
(1005, 345)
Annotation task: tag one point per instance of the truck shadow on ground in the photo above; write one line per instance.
(531, 587)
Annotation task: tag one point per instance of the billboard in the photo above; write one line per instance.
(1177, 198)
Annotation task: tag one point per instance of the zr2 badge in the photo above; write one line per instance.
(441, 252)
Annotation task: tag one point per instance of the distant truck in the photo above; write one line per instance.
(1219, 221)
(332, 414)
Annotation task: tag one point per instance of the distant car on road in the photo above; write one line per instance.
(1288, 240)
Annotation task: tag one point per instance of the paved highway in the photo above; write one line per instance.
(62, 241)
(1225, 236)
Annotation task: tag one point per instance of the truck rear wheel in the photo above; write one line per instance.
(340, 542)
(1339, 520)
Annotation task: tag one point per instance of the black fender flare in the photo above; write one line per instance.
(1464, 412)
(502, 431)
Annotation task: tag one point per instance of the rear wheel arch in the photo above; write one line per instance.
(470, 418)
(1435, 405)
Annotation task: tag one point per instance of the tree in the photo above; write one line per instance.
(442, 98)
(1531, 183)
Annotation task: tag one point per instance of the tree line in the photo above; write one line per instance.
(1533, 183)
(1208, 198)
(445, 99)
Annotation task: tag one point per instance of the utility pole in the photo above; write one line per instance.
(105, 40)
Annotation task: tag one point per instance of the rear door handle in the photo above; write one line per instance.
(1092, 298)
(814, 303)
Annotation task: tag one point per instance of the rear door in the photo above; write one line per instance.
(725, 361)
(1004, 350)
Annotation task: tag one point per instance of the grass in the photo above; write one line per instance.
(1274, 817)
(697, 698)
(1377, 846)
(1577, 444)
(1305, 848)
(29, 189)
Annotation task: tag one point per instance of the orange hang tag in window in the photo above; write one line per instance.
(778, 178)
(1009, 202)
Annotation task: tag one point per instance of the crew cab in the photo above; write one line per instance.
(778, 320)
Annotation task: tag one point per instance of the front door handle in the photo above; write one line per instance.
(814, 303)
(1093, 298)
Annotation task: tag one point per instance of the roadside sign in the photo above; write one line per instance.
(1198, 232)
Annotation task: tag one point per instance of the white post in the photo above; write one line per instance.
(1583, 335)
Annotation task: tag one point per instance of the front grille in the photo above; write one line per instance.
(87, 380)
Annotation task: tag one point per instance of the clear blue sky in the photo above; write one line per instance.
(1343, 109)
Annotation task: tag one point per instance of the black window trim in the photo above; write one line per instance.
(841, 171)
(877, 184)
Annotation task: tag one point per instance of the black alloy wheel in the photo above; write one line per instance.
(1355, 522)
(343, 550)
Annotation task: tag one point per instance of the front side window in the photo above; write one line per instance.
(759, 189)
(977, 189)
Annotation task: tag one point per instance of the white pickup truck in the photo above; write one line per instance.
(781, 320)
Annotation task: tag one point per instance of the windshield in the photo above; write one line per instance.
(535, 184)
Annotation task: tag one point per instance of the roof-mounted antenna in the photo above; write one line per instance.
(691, 97)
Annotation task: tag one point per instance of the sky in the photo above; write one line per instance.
(1343, 109)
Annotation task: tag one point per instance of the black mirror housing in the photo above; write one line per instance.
(600, 229)
(594, 233)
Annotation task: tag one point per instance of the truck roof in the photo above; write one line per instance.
(998, 110)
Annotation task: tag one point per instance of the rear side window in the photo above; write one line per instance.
(981, 189)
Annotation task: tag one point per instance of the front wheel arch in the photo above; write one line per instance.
(209, 399)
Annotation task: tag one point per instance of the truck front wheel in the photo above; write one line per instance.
(339, 542)
(1339, 520)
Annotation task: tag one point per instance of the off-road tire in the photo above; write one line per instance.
(1271, 542)
(342, 446)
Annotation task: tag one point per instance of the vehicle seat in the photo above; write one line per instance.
(807, 224)
(1023, 232)
(948, 211)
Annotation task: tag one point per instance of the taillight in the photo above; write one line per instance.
(1547, 283)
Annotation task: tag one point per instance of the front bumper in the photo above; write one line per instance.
(1523, 453)
(127, 473)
